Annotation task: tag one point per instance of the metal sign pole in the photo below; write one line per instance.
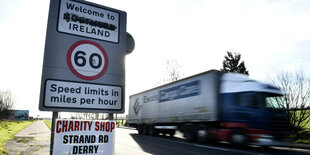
(111, 116)
(54, 117)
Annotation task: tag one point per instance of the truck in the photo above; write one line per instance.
(212, 106)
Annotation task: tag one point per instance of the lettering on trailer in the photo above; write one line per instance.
(152, 98)
(88, 21)
(182, 91)
(84, 137)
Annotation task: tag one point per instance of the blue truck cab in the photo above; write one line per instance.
(252, 110)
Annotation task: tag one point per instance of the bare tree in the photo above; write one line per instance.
(172, 72)
(7, 102)
(296, 101)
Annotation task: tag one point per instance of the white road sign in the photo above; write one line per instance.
(84, 58)
(73, 95)
(87, 60)
(84, 137)
(88, 21)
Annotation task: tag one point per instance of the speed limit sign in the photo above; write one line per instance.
(84, 58)
(87, 60)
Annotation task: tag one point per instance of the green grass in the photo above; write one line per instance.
(48, 123)
(121, 123)
(8, 129)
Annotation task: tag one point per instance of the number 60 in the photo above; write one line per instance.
(80, 60)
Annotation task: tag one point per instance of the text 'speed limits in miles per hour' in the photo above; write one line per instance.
(82, 95)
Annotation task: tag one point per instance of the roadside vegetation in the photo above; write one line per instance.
(303, 135)
(7, 102)
(296, 102)
(48, 124)
(8, 129)
(121, 122)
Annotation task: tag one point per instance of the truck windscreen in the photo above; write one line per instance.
(260, 100)
(274, 101)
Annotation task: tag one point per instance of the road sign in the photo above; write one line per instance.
(91, 21)
(87, 60)
(83, 67)
(84, 137)
(73, 95)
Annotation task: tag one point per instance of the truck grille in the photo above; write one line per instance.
(280, 129)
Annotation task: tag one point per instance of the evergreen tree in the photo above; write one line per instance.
(231, 64)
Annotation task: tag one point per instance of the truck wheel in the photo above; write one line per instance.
(144, 130)
(204, 136)
(238, 138)
(139, 128)
(152, 131)
(190, 136)
(171, 133)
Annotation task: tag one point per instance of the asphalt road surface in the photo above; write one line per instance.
(128, 141)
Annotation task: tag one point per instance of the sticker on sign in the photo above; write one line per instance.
(84, 137)
(67, 94)
(89, 21)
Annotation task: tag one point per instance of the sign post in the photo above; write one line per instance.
(84, 65)
(54, 117)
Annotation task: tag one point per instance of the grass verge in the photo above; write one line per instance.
(48, 124)
(8, 129)
(121, 122)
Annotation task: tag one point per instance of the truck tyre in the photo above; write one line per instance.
(152, 131)
(144, 130)
(139, 128)
(190, 136)
(203, 134)
(190, 132)
(238, 138)
(171, 133)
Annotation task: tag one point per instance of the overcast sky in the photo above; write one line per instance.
(270, 35)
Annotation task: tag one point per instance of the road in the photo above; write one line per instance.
(128, 141)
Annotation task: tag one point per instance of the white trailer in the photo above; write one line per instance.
(212, 104)
(191, 99)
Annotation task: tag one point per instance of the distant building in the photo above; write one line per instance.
(19, 115)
